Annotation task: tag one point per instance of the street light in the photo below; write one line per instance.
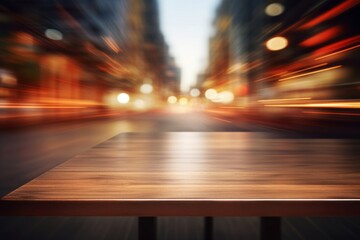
(183, 101)
(53, 34)
(172, 99)
(274, 9)
(277, 43)
(195, 92)
(140, 104)
(211, 94)
(123, 98)
(146, 88)
(226, 97)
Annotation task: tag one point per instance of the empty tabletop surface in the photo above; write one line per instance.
(202, 167)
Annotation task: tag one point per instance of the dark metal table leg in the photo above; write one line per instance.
(208, 228)
(147, 228)
(270, 228)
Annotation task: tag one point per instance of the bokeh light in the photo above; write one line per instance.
(172, 99)
(54, 34)
(146, 88)
(139, 104)
(274, 9)
(277, 43)
(183, 101)
(226, 97)
(195, 92)
(211, 94)
(123, 98)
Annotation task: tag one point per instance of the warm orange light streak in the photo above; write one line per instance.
(337, 46)
(222, 120)
(272, 76)
(332, 113)
(236, 67)
(338, 52)
(112, 44)
(310, 73)
(36, 107)
(351, 105)
(331, 13)
(284, 99)
(50, 102)
(305, 69)
(106, 56)
(321, 37)
(68, 101)
(233, 107)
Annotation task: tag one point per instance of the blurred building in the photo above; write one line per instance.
(319, 61)
(173, 78)
(219, 52)
(316, 62)
(81, 50)
(149, 50)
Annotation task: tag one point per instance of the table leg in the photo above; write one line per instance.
(270, 228)
(147, 228)
(208, 228)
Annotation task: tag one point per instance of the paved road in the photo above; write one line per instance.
(28, 152)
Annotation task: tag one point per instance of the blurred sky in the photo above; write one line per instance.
(186, 25)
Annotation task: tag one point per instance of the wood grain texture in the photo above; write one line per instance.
(217, 169)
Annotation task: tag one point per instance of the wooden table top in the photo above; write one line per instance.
(195, 174)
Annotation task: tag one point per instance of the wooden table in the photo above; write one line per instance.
(199, 174)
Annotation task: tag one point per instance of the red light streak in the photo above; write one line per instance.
(331, 13)
(337, 46)
(321, 37)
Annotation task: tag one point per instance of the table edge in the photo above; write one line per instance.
(188, 207)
